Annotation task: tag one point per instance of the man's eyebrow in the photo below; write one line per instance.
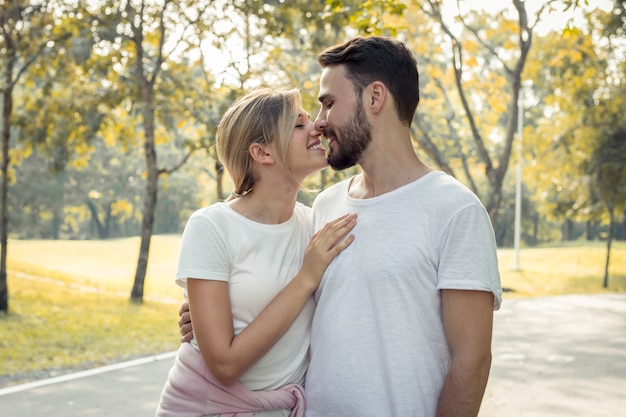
(323, 97)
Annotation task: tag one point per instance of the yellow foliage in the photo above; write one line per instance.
(44, 214)
(79, 163)
(589, 73)
(436, 72)
(498, 105)
(108, 137)
(575, 56)
(162, 135)
(509, 26)
(395, 21)
(470, 46)
(11, 175)
(122, 208)
(71, 223)
(510, 45)
(16, 156)
(558, 57)
(471, 61)
(491, 118)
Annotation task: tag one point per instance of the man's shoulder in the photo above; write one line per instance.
(333, 190)
(302, 211)
(448, 187)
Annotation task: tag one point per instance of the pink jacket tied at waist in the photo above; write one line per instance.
(192, 391)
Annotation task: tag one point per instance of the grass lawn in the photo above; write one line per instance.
(69, 300)
(577, 268)
(69, 305)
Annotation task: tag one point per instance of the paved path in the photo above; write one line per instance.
(559, 357)
(553, 357)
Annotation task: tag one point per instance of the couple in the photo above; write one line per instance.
(403, 316)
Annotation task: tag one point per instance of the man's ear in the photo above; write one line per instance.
(261, 154)
(377, 96)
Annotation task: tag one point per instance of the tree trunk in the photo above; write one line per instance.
(94, 217)
(7, 108)
(107, 222)
(605, 283)
(568, 230)
(495, 199)
(219, 177)
(147, 224)
(4, 216)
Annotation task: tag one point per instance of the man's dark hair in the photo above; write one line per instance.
(375, 58)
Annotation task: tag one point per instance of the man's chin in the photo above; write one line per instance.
(339, 165)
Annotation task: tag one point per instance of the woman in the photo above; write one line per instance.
(250, 267)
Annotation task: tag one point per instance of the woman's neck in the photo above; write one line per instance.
(267, 204)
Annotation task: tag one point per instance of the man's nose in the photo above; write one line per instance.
(315, 132)
(320, 123)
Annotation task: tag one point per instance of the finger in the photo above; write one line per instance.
(338, 221)
(183, 308)
(343, 220)
(184, 318)
(338, 224)
(338, 230)
(185, 328)
(186, 337)
(341, 245)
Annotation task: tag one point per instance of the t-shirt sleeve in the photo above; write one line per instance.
(468, 256)
(203, 251)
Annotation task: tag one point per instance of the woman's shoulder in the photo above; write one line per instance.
(216, 213)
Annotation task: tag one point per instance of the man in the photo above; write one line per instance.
(404, 316)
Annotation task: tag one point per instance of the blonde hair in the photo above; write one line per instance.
(265, 116)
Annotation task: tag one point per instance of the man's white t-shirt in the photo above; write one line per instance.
(378, 345)
(258, 261)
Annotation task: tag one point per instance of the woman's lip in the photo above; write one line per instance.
(316, 146)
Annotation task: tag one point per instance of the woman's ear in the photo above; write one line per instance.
(261, 154)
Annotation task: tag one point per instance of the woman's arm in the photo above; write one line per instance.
(228, 356)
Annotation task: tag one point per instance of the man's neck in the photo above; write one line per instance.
(376, 180)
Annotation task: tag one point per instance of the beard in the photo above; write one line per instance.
(355, 138)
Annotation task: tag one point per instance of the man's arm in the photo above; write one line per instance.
(184, 323)
(468, 322)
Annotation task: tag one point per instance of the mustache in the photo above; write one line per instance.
(329, 133)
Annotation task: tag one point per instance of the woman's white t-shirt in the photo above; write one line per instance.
(258, 261)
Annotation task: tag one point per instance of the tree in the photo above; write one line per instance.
(579, 100)
(492, 53)
(471, 64)
(264, 42)
(607, 170)
(27, 31)
(142, 38)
